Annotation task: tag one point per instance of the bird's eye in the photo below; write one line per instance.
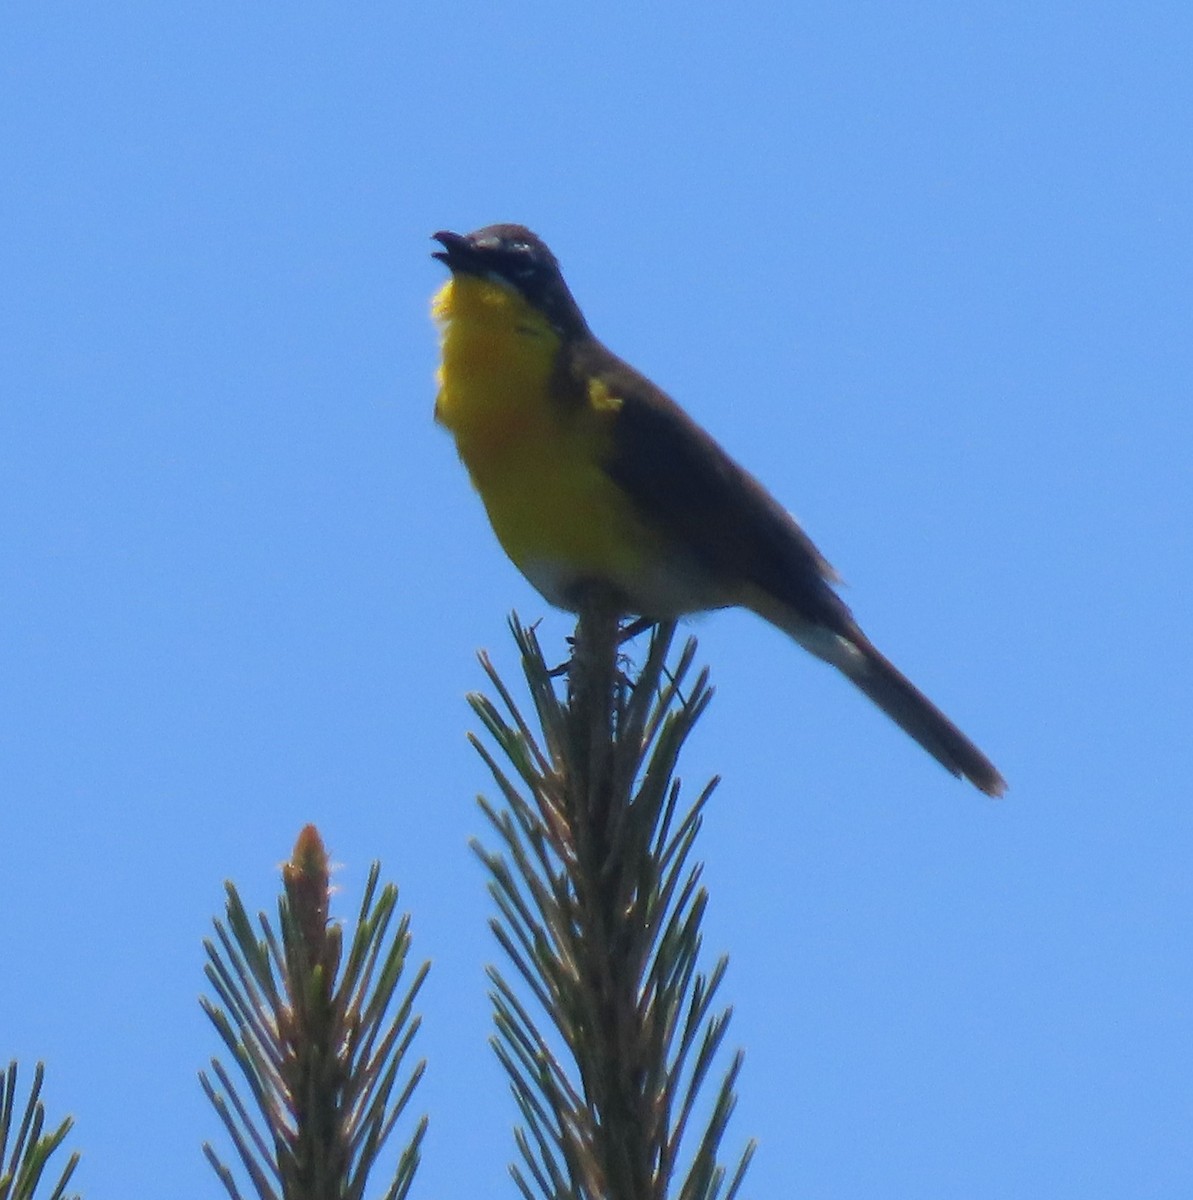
(521, 264)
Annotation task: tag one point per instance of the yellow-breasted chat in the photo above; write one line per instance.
(591, 474)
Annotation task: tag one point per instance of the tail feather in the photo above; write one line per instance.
(840, 642)
(916, 715)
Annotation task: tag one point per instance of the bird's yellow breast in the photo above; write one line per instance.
(534, 455)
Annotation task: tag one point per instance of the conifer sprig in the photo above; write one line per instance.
(320, 1042)
(607, 1029)
(23, 1162)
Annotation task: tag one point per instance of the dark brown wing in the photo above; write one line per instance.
(681, 481)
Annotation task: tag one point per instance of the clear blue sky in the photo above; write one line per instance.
(925, 268)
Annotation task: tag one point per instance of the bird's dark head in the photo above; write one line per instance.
(513, 256)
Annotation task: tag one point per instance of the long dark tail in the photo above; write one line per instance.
(913, 712)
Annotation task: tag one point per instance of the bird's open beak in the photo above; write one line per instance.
(458, 253)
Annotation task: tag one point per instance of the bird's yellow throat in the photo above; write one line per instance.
(534, 458)
(498, 355)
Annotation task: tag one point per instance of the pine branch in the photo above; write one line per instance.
(23, 1164)
(320, 1042)
(610, 1034)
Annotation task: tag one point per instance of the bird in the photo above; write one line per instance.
(592, 475)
